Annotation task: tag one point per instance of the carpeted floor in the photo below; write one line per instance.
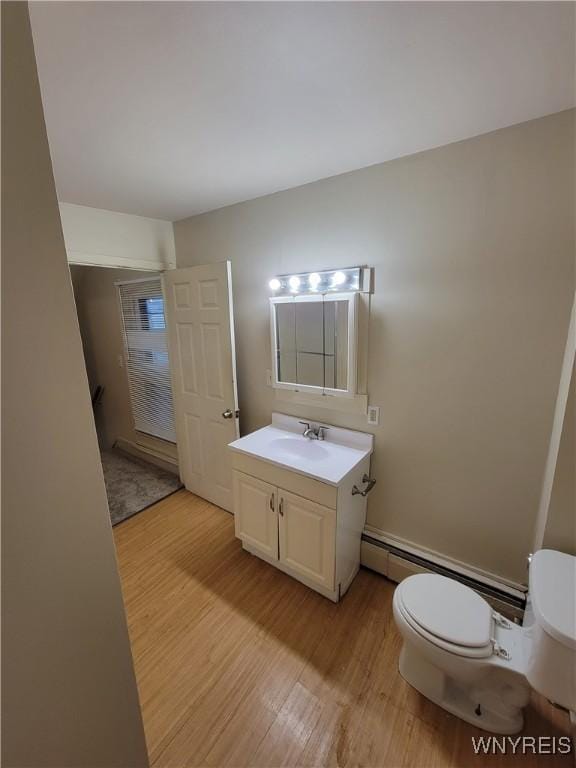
(133, 485)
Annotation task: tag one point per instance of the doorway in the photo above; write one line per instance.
(122, 325)
(160, 360)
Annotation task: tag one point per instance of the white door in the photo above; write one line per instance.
(255, 515)
(307, 536)
(198, 307)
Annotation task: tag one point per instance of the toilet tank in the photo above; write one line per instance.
(550, 621)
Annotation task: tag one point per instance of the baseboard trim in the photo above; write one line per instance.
(144, 452)
(396, 559)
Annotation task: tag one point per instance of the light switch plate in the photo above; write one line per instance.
(269, 378)
(374, 415)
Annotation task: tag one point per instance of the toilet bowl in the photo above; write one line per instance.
(468, 659)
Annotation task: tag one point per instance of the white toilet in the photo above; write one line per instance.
(465, 657)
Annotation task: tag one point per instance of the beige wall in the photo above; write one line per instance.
(69, 696)
(473, 249)
(560, 531)
(101, 329)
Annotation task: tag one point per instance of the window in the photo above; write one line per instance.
(152, 314)
(146, 354)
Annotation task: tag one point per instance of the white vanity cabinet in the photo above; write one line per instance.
(307, 538)
(308, 525)
(297, 532)
(256, 513)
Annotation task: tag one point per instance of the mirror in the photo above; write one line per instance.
(312, 342)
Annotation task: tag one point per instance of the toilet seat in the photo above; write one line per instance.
(448, 614)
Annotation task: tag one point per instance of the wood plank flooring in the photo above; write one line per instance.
(239, 665)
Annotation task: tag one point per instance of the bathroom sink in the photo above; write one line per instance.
(295, 448)
(283, 444)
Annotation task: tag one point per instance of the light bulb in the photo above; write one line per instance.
(314, 280)
(294, 282)
(338, 278)
(274, 284)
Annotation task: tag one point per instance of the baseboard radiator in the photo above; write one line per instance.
(397, 563)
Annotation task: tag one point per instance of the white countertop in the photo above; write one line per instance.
(283, 444)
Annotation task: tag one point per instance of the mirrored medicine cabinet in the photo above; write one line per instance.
(314, 342)
(319, 324)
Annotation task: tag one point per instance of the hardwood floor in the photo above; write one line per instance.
(239, 665)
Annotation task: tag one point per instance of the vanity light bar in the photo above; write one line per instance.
(336, 280)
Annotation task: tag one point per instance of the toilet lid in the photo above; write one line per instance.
(447, 609)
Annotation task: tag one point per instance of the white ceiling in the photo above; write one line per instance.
(170, 109)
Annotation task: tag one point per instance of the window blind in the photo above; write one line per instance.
(146, 355)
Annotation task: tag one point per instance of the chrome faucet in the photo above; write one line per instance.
(313, 433)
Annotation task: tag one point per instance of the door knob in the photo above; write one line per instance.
(229, 414)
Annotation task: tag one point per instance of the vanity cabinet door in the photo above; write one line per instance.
(255, 515)
(307, 536)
